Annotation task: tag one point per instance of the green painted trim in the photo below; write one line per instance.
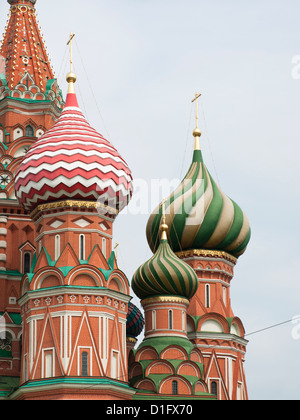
(157, 397)
(161, 343)
(75, 381)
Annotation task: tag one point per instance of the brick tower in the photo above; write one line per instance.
(166, 363)
(74, 301)
(30, 103)
(209, 231)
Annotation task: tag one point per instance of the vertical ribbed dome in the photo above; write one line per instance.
(201, 216)
(164, 274)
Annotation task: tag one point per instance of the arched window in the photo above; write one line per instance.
(84, 364)
(174, 387)
(27, 263)
(170, 320)
(207, 295)
(81, 247)
(214, 388)
(29, 131)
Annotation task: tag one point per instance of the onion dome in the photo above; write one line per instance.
(200, 215)
(164, 274)
(135, 321)
(73, 161)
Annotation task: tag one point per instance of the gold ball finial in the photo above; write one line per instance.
(164, 227)
(71, 77)
(197, 132)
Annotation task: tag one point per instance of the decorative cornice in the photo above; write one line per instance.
(165, 299)
(73, 203)
(206, 253)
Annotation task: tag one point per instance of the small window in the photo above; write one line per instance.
(104, 247)
(153, 320)
(84, 364)
(29, 131)
(214, 388)
(183, 320)
(81, 247)
(114, 365)
(224, 295)
(48, 365)
(207, 295)
(57, 247)
(27, 263)
(170, 320)
(174, 387)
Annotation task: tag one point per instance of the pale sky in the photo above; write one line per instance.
(139, 64)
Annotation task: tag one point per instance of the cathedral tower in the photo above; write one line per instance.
(209, 231)
(30, 103)
(74, 301)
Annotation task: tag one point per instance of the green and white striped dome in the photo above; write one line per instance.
(164, 274)
(200, 216)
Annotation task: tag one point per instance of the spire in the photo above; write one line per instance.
(71, 77)
(163, 226)
(197, 131)
(26, 59)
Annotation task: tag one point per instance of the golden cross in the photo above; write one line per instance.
(115, 248)
(164, 211)
(70, 42)
(197, 96)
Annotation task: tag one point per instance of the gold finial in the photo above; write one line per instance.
(71, 77)
(197, 132)
(164, 226)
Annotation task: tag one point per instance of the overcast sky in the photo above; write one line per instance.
(139, 63)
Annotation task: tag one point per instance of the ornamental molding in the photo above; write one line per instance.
(73, 203)
(165, 299)
(207, 254)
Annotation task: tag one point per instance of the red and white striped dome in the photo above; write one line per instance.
(73, 161)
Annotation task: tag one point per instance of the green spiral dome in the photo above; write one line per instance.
(164, 274)
(201, 216)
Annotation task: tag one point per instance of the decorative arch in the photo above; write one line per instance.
(147, 353)
(213, 322)
(174, 352)
(20, 147)
(135, 370)
(196, 356)
(146, 384)
(239, 327)
(162, 367)
(85, 276)
(200, 386)
(189, 368)
(184, 387)
(47, 277)
(118, 281)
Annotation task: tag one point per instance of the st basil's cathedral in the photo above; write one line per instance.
(68, 327)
